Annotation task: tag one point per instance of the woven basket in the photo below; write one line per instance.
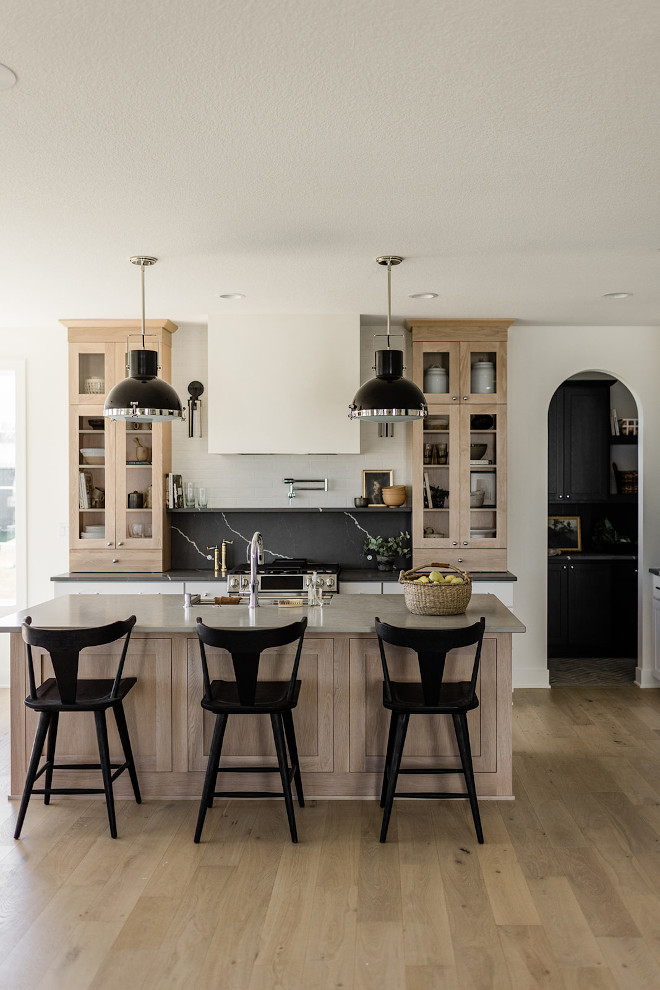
(435, 599)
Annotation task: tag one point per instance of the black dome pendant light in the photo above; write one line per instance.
(389, 397)
(143, 396)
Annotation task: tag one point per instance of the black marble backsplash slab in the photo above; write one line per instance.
(328, 536)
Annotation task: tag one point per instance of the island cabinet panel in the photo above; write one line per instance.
(147, 705)
(430, 740)
(249, 738)
(341, 725)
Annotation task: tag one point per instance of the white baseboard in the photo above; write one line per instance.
(645, 678)
(531, 677)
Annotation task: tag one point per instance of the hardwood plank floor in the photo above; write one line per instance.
(564, 894)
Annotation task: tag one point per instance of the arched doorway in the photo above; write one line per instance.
(593, 433)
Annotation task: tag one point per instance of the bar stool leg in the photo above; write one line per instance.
(397, 753)
(209, 803)
(50, 754)
(122, 729)
(104, 755)
(388, 758)
(39, 740)
(289, 731)
(463, 740)
(211, 773)
(278, 735)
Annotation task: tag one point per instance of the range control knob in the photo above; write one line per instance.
(233, 582)
(329, 582)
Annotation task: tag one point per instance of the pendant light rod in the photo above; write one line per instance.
(144, 261)
(389, 260)
(389, 397)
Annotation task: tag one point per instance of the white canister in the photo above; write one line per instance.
(436, 379)
(483, 377)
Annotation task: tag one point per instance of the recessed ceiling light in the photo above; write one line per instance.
(232, 295)
(617, 295)
(423, 295)
(7, 77)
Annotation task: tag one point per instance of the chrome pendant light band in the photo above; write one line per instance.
(143, 396)
(389, 397)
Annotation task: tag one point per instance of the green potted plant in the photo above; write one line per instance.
(386, 549)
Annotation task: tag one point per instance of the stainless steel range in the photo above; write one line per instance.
(284, 578)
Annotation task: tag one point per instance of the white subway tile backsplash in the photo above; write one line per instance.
(257, 480)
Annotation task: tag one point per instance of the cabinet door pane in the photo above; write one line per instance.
(436, 370)
(91, 523)
(436, 490)
(135, 488)
(91, 372)
(483, 521)
(482, 372)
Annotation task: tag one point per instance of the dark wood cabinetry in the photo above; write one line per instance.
(592, 607)
(578, 442)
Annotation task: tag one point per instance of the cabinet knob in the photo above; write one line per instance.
(568, 496)
(454, 544)
(460, 560)
(572, 568)
(465, 543)
(465, 398)
(120, 543)
(560, 496)
(454, 398)
(108, 544)
(115, 560)
(564, 567)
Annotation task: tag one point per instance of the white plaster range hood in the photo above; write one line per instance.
(282, 384)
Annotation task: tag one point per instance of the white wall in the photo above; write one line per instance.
(251, 480)
(540, 359)
(46, 374)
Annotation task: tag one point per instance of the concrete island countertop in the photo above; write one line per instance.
(165, 613)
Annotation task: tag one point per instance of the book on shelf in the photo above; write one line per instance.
(614, 423)
(85, 488)
(174, 491)
(427, 491)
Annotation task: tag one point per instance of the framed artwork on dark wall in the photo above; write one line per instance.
(564, 533)
(373, 483)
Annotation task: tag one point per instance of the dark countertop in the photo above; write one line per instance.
(347, 574)
(302, 508)
(594, 556)
(654, 570)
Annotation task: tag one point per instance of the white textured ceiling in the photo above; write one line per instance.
(509, 149)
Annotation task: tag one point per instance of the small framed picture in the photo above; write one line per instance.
(564, 533)
(484, 481)
(373, 483)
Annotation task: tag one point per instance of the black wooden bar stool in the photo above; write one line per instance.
(66, 692)
(247, 695)
(432, 695)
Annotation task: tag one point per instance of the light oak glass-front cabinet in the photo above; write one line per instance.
(459, 451)
(112, 461)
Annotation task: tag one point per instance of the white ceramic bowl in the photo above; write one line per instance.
(93, 455)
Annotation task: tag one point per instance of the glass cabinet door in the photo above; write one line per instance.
(91, 372)
(483, 478)
(136, 491)
(92, 522)
(483, 371)
(436, 490)
(436, 370)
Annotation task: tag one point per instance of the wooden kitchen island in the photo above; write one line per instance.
(341, 725)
